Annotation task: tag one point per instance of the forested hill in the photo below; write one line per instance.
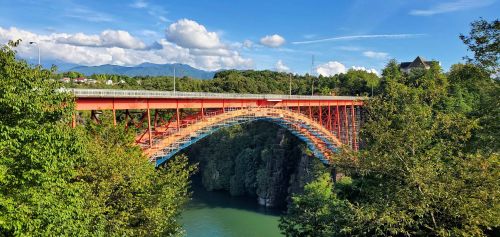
(146, 69)
(234, 81)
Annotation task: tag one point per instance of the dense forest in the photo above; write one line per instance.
(429, 166)
(354, 82)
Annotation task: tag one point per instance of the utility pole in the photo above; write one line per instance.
(290, 86)
(38, 46)
(174, 78)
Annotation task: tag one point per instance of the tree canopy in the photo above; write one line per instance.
(430, 165)
(87, 181)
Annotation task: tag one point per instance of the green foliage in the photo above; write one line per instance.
(38, 153)
(484, 42)
(430, 165)
(128, 196)
(87, 181)
(316, 212)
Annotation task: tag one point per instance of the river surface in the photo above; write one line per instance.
(217, 214)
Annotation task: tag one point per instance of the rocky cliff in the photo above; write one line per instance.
(258, 159)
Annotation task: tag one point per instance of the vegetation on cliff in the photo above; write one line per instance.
(259, 159)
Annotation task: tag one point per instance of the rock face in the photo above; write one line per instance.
(259, 159)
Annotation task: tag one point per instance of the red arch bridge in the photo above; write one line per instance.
(175, 120)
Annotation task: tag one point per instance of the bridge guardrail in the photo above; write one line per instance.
(110, 93)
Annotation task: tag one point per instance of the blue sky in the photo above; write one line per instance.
(276, 35)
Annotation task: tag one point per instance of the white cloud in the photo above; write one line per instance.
(358, 37)
(108, 38)
(452, 6)
(371, 70)
(86, 14)
(376, 55)
(163, 19)
(281, 67)
(190, 34)
(113, 47)
(331, 68)
(149, 33)
(139, 4)
(272, 41)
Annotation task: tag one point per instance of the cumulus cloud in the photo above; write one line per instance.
(371, 70)
(120, 48)
(281, 67)
(190, 34)
(108, 38)
(331, 68)
(272, 41)
(376, 55)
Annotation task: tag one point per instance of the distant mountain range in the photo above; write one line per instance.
(146, 69)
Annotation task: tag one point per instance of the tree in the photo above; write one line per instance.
(38, 153)
(128, 196)
(316, 212)
(416, 175)
(87, 181)
(484, 42)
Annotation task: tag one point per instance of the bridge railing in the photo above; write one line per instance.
(110, 93)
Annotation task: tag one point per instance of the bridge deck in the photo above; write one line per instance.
(105, 93)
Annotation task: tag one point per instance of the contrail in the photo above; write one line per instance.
(354, 37)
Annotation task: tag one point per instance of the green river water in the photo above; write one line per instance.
(216, 214)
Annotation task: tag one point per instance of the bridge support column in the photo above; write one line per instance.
(346, 123)
(320, 113)
(177, 115)
(149, 127)
(329, 121)
(202, 111)
(353, 116)
(310, 111)
(337, 112)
